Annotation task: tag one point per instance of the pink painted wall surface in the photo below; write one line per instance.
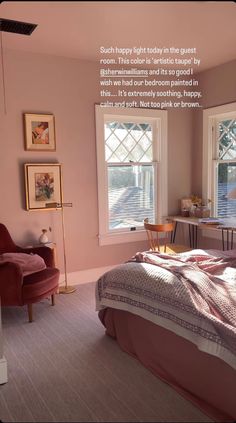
(69, 88)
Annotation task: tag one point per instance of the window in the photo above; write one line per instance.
(219, 158)
(132, 171)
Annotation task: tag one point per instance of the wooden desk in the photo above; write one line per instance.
(228, 227)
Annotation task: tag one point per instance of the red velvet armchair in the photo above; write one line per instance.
(19, 290)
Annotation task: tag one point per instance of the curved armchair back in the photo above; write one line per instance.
(7, 245)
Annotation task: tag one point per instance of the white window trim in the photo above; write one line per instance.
(210, 117)
(157, 117)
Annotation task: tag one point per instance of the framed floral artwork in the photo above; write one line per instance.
(43, 186)
(39, 132)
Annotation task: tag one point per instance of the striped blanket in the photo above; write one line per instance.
(192, 294)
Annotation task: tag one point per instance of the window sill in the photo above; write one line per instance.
(122, 237)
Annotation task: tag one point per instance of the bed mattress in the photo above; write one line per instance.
(201, 378)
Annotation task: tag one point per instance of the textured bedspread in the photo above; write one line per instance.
(192, 294)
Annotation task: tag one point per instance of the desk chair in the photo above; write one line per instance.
(153, 233)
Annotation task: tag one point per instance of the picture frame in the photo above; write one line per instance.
(43, 186)
(39, 132)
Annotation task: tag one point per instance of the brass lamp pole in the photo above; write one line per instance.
(64, 289)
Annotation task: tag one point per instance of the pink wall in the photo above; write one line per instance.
(179, 157)
(69, 88)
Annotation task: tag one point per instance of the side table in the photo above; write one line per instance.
(51, 245)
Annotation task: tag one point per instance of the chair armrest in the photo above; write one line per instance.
(11, 279)
(45, 252)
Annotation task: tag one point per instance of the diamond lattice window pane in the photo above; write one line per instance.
(227, 139)
(120, 131)
(145, 142)
(129, 125)
(128, 141)
(113, 142)
(121, 153)
(136, 132)
(113, 158)
(145, 126)
(108, 153)
(147, 156)
(137, 153)
(111, 126)
(108, 132)
(149, 134)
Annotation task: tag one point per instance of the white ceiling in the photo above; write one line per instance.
(78, 29)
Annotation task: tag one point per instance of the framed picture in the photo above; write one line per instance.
(39, 132)
(43, 186)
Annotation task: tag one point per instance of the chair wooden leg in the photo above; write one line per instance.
(30, 312)
(53, 299)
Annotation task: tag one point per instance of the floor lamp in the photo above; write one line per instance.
(60, 206)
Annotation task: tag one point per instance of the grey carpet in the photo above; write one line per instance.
(63, 368)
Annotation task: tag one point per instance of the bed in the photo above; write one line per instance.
(177, 315)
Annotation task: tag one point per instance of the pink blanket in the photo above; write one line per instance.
(191, 294)
(29, 263)
(209, 291)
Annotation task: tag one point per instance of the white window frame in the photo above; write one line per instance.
(158, 119)
(210, 160)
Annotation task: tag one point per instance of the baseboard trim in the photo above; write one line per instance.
(3, 370)
(85, 276)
